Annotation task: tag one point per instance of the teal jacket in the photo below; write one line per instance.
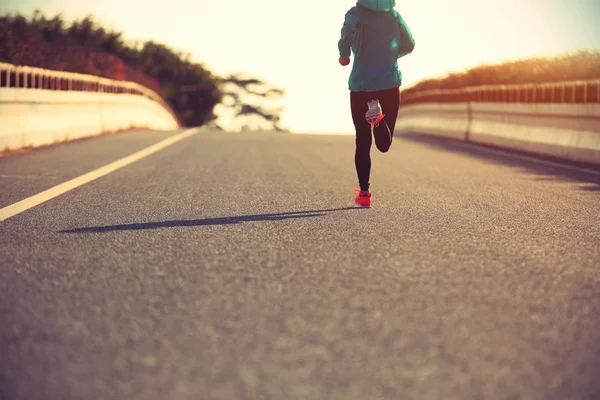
(378, 37)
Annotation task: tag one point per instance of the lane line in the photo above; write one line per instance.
(30, 202)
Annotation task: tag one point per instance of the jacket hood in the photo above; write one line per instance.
(378, 5)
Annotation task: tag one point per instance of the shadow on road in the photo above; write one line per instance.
(208, 221)
(590, 181)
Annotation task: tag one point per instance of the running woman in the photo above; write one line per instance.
(377, 36)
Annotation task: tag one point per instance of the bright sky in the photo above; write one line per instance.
(293, 45)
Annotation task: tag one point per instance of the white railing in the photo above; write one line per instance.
(13, 76)
(555, 92)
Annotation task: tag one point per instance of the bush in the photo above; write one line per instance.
(84, 47)
(582, 65)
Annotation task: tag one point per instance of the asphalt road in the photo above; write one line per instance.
(235, 266)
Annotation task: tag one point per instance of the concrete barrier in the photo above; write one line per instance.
(40, 106)
(570, 132)
(35, 117)
(446, 120)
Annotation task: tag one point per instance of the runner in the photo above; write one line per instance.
(377, 36)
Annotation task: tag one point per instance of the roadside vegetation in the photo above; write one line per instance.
(189, 88)
(582, 65)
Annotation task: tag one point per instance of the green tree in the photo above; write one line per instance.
(86, 47)
(253, 100)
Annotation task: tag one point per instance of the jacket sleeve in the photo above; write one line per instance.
(348, 33)
(406, 41)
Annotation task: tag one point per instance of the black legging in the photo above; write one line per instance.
(390, 103)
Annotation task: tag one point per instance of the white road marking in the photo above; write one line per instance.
(30, 202)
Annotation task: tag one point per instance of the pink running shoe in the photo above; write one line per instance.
(363, 197)
(374, 115)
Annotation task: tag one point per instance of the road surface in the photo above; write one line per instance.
(235, 266)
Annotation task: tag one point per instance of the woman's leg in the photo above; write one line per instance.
(362, 156)
(390, 104)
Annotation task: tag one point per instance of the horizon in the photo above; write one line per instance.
(303, 61)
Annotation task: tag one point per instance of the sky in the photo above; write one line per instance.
(293, 44)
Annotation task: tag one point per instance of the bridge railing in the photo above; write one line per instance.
(570, 92)
(25, 77)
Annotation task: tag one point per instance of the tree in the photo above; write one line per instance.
(85, 47)
(252, 101)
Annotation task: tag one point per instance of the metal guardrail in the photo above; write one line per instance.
(13, 76)
(555, 92)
